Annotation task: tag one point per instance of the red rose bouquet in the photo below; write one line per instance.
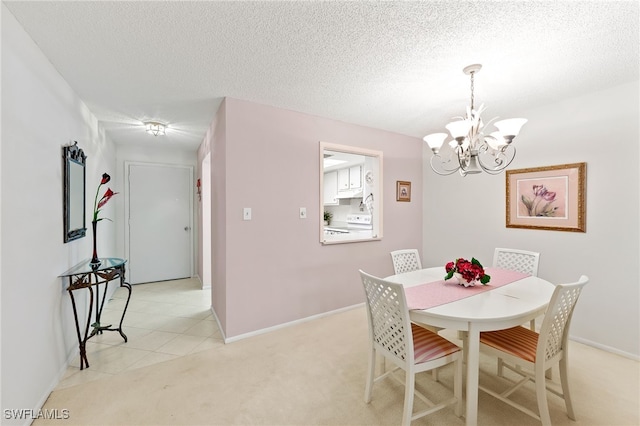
(468, 273)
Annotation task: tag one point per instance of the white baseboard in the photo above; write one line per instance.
(605, 348)
(347, 308)
(213, 312)
(54, 383)
(279, 326)
(202, 286)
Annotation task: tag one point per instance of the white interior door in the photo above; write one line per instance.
(160, 222)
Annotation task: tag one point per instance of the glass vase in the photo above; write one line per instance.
(94, 258)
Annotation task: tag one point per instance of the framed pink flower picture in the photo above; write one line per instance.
(550, 198)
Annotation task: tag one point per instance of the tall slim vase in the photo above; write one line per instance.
(94, 258)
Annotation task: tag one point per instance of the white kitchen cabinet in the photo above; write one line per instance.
(331, 189)
(350, 178)
(355, 177)
(343, 180)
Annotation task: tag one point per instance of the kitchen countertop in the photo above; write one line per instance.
(337, 225)
(348, 237)
(352, 235)
(336, 228)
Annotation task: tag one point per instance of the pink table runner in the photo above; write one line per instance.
(425, 296)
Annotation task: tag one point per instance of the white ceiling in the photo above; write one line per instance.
(389, 65)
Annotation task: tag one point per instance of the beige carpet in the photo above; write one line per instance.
(313, 374)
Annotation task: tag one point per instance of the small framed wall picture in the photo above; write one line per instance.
(403, 190)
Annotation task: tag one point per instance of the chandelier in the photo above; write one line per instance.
(472, 150)
(154, 128)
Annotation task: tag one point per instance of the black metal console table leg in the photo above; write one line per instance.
(98, 327)
(87, 275)
(82, 341)
(128, 287)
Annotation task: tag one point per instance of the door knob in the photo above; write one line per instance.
(186, 228)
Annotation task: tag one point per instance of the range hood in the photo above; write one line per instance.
(350, 194)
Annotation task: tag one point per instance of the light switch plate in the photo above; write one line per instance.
(247, 213)
(303, 212)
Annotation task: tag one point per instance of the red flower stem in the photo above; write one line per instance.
(95, 204)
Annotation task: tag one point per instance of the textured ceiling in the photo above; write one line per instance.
(389, 65)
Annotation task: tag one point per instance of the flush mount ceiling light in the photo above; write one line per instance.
(155, 128)
(473, 151)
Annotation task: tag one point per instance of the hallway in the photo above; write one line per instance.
(165, 320)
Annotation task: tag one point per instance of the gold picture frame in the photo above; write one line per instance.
(403, 191)
(549, 198)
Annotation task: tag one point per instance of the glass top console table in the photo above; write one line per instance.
(88, 275)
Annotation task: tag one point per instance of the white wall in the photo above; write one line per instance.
(466, 216)
(40, 114)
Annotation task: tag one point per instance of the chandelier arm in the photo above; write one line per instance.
(449, 161)
(499, 169)
(491, 171)
(446, 172)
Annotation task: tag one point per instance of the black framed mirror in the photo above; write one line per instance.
(74, 192)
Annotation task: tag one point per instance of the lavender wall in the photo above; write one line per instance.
(273, 270)
(219, 184)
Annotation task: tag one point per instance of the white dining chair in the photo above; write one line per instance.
(407, 346)
(521, 261)
(517, 260)
(405, 260)
(534, 353)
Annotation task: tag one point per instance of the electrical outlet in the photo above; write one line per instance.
(303, 212)
(247, 213)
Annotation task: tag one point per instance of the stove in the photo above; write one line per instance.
(359, 221)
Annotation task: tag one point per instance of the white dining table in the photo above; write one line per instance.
(503, 307)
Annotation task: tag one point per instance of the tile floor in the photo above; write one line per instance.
(164, 320)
